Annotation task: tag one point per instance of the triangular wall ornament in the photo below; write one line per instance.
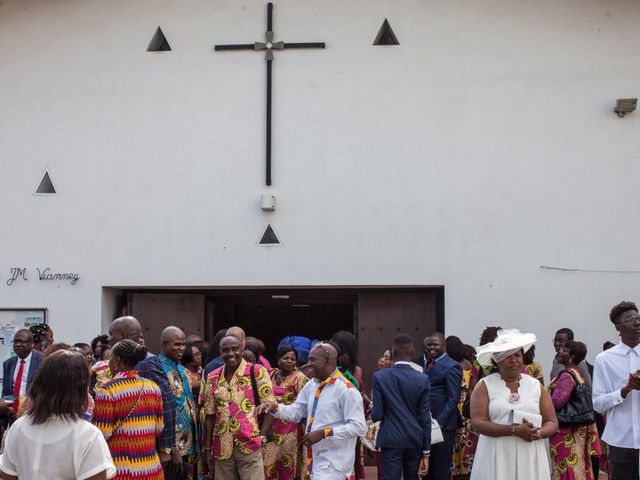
(385, 35)
(159, 42)
(269, 237)
(46, 186)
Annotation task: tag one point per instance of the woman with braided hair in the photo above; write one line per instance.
(128, 411)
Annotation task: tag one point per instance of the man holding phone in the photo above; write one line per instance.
(616, 392)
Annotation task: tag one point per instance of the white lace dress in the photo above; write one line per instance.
(511, 458)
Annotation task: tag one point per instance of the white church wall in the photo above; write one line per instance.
(479, 149)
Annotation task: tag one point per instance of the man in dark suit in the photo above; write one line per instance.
(445, 376)
(401, 403)
(18, 372)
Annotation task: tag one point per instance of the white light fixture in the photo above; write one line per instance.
(280, 297)
(268, 202)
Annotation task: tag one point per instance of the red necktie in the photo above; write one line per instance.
(16, 385)
(431, 364)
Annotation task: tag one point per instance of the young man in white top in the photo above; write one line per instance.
(616, 381)
(334, 412)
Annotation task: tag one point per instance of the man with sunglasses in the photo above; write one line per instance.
(616, 392)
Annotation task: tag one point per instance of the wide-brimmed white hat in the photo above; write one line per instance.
(508, 339)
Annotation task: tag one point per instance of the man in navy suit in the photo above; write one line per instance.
(401, 403)
(445, 376)
(18, 372)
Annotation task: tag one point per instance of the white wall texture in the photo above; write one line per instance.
(482, 147)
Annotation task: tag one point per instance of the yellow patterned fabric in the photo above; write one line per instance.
(233, 406)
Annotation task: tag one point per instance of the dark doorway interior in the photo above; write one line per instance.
(273, 315)
(273, 322)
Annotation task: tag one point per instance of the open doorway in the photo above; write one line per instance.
(374, 314)
(272, 316)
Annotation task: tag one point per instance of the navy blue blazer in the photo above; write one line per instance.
(9, 368)
(401, 402)
(151, 369)
(446, 383)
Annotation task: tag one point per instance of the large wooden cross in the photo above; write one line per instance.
(269, 46)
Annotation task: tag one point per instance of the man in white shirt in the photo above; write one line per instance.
(335, 416)
(616, 381)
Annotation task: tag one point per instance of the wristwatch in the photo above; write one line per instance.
(165, 450)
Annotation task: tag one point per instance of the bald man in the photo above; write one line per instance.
(184, 453)
(218, 361)
(335, 418)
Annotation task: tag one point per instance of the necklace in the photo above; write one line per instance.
(514, 397)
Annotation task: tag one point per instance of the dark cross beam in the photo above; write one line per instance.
(269, 46)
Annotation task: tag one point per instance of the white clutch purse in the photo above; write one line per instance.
(436, 432)
(516, 417)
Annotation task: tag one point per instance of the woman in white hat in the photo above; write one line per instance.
(512, 413)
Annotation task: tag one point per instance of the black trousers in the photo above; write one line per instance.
(171, 473)
(623, 463)
(400, 463)
(440, 459)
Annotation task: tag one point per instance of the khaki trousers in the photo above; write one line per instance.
(241, 466)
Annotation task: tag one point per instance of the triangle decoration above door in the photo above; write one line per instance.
(269, 237)
(159, 42)
(46, 187)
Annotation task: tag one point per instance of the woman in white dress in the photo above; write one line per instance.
(512, 413)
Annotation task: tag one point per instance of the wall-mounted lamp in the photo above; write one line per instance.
(625, 105)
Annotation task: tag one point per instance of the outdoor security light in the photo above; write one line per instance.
(625, 105)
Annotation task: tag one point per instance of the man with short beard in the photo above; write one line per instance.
(233, 438)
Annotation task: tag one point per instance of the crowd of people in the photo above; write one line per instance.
(218, 409)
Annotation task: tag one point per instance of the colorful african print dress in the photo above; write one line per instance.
(284, 458)
(128, 412)
(461, 465)
(571, 446)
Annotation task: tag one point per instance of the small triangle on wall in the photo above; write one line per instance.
(386, 36)
(269, 237)
(46, 186)
(159, 42)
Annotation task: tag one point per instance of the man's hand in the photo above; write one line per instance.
(266, 407)
(312, 438)
(423, 469)
(164, 456)
(176, 460)
(208, 460)
(633, 383)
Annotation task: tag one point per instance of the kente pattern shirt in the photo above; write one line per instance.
(128, 412)
(185, 406)
(233, 406)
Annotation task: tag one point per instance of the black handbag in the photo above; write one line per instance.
(256, 398)
(579, 408)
